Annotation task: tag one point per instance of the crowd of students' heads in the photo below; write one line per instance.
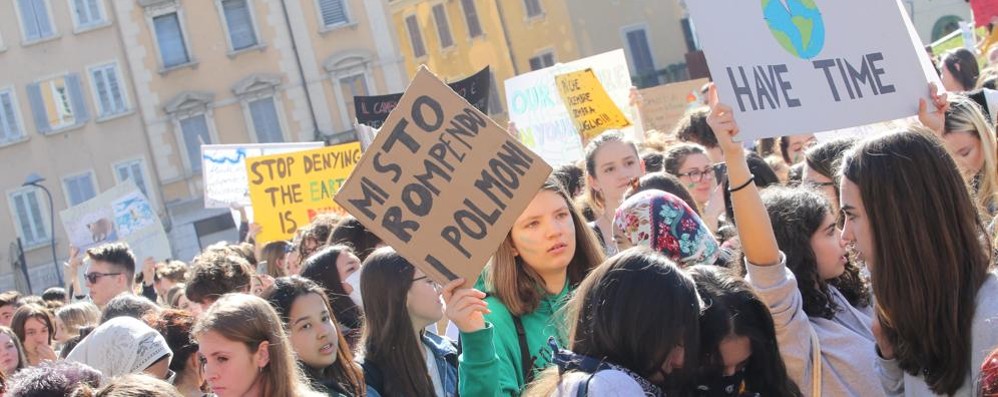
(629, 262)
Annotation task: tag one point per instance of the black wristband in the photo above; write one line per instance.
(744, 185)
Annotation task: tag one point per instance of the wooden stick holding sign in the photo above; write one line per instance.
(442, 183)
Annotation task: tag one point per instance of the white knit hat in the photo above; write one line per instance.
(121, 346)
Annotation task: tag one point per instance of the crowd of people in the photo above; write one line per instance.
(688, 265)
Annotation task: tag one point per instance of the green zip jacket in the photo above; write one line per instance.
(490, 363)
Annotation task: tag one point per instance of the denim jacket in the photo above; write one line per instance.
(444, 352)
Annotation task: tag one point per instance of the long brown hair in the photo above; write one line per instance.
(345, 372)
(251, 320)
(23, 313)
(273, 253)
(517, 285)
(931, 252)
(389, 342)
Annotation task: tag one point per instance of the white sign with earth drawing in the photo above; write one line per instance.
(801, 66)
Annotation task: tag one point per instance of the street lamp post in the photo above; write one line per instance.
(35, 180)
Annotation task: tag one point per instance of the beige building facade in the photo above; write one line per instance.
(68, 113)
(236, 71)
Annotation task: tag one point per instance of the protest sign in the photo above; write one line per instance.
(121, 213)
(288, 190)
(541, 118)
(373, 110)
(800, 66)
(588, 104)
(442, 183)
(224, 169)
(664, 105)
(984, 11)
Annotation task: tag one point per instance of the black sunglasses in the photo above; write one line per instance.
(94, 276)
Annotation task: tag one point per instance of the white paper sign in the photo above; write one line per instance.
(541, 118)
(800, 66)
(224, 169)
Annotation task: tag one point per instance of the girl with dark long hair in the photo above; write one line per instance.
(912, 219)
(399, 357)
(319, 346)
(619, 348)
(739, 352)
(331, 267)
(825, 342)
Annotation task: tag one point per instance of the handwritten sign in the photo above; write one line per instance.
(588, 103)
(541, 118)
(442, 183)
(789, 67)
(373, 110)
(224, 169)
(288, 190)
(664, 105)
(121, 213)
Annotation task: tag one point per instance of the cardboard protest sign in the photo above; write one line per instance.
(373, 110)
(288, 190)
(800, 66)
(121, 213)
(442, 183)
(664, 105)
(587, 102)
(224, 169)
(541, 118)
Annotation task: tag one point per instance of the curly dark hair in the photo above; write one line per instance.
(216, 273)
(796, 215)
(674, 158)
(693, 128)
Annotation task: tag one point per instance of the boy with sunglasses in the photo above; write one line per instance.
(111, 270)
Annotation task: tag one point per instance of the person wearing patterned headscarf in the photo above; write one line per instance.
(665, 223)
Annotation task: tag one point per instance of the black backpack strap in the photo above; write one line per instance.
(525, 361)
(372, 376)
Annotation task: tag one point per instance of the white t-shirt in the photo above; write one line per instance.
(431, 365)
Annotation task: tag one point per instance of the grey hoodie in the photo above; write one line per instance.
(847, 343)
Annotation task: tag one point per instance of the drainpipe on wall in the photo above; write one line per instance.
(318, 135)
(505, 35)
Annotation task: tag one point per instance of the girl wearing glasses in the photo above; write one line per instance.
(689, 163)
(399, 357)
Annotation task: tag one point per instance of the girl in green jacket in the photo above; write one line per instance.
(504, 333)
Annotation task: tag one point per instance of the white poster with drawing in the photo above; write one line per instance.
(121, 213)
(543, 122)
(224, 169)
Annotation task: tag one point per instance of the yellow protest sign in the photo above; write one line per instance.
(288, 190)
(588, 104)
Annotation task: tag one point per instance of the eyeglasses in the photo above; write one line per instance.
(818, 185)
(92, 277)
(696, 176)
(432, 283)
